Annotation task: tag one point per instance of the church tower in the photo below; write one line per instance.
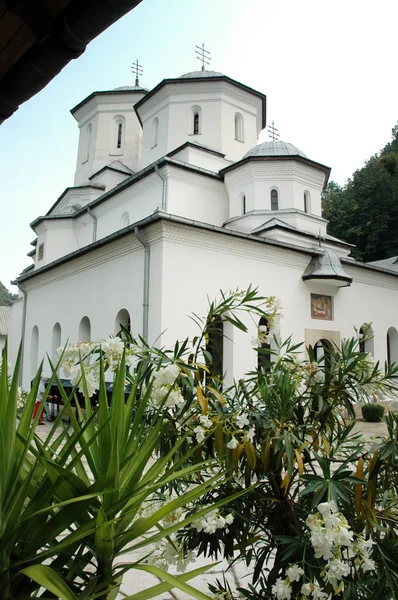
(110, 133)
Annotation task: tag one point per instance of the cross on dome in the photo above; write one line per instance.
(273, 132)
(137, 70)
(203, 55)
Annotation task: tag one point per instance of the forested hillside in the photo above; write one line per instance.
(6, 297)
(365, 211)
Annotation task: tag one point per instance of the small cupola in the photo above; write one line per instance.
(325, 267)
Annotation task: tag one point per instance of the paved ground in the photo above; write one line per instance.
(135, 581)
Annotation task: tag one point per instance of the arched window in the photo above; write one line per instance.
(85, 330)
(119, 135)
(323, 355)
(88, 141)
(244, 206)
(366, 341)
(392, 346)
(122, 320)
(215, 347)
(56, 340)
(239, 134)
(307, 208)
(264, 354)
(274, 200)
(125, 219)
(196, 123)
(34, 351)
(155, 131)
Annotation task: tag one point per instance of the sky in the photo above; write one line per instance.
(328, 69)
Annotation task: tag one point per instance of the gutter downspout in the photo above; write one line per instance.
(145, 301)
(94, 218)
(164, 188)
(25, 301)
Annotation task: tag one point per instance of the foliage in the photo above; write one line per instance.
(365, 211)
(373, 412)
(6, 298)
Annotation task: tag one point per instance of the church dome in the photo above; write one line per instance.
(276, 148)
(194, 74)
(130, 88)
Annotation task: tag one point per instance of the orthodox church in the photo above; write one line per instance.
(174, 200)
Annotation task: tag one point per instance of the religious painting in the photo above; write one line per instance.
(321, 307)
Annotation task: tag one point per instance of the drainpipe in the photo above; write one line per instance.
(164, 188)
(25, 300)
(145, 302)
(94, 218)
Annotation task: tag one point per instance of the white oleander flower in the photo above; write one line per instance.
(233, 444)
(306, 589)
(335, 571)
(282, 589)
(200, 433)
(205, 421)
(250, 435)
(167, 375)
(294, 573)
(242, 420)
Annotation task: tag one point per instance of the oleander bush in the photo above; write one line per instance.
(269, 471)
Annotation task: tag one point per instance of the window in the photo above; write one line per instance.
(88, 142)
(306, 202)
(366, 339)
(56, 341)
(40, 253)
(34, 351)
(215, 347)
(264, 349)
(119, 135)
(84, 330)
(155, 131)
(392, 346)
(125, 219)
(323, 355)
(274, 200)
(196, 123)
(122, 321)
(244, 207)
(239, 127)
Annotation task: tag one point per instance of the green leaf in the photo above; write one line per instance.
(50, 580)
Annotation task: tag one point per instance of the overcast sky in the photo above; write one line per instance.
(328, 68)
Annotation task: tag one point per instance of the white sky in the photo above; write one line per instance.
(328, 68)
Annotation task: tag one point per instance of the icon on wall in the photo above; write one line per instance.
(321, 307)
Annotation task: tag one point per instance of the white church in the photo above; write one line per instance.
(173, 200)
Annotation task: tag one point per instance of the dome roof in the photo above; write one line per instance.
(204, 74)
(130, 88)
(276, 148)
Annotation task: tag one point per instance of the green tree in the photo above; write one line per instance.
(6, 298)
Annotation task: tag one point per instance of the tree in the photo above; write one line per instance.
(365, 211)
(6, 298)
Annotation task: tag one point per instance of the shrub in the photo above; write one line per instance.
(373, 413)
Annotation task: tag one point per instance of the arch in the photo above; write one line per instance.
(56, 340)
(118, 134)
(239, 132)
(243, 204)
(215, 347)
(366, 341)
(84, 330)
(155, 131)
(88, 141)
(323, 354)
(307, 202)
(264, 355)
(122, 320)
(34, 351)
(392, 346)
(196, 120)
(274, 199)
(125, 219)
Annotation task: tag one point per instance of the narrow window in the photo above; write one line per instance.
(196, 123)
(362, 340)
(264, 349)
(323, 355)
(215, 347)
(306, 202)
(56, 341)
(34, 351)
(40, 253)
(122, 321)
(243, 204)
(119, 135)
(85, 330)
(155, 131)
(274, 200)
(392, 346)
(238, 127)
